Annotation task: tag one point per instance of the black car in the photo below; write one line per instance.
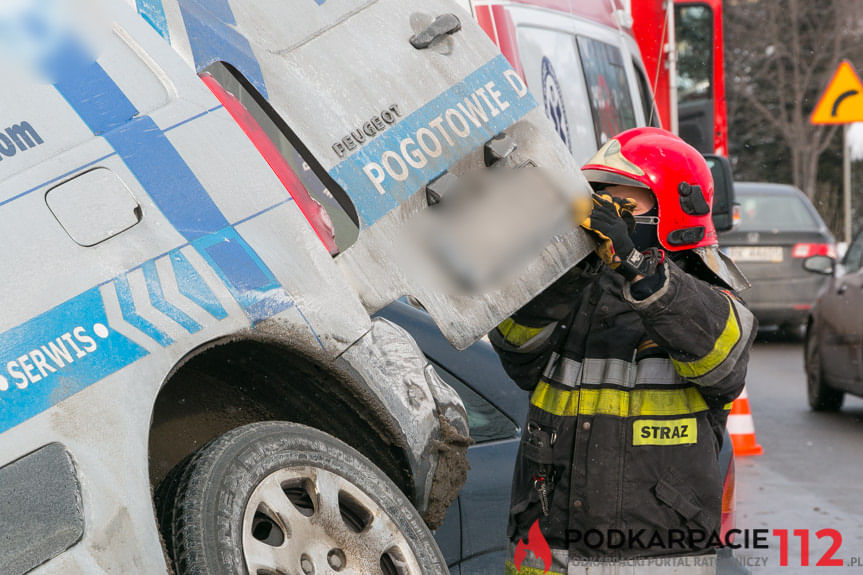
(473, 534)
(834, 331)
(778, 229)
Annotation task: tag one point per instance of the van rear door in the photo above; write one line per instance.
(383, 97)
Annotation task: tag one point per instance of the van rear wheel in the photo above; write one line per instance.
(275, 498)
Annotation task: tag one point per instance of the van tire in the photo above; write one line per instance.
(290, 495)
(164, 498)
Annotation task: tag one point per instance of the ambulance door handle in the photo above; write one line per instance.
(439, 188)
(443, 25)
(498, 148)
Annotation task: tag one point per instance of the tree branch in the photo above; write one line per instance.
(767, 115)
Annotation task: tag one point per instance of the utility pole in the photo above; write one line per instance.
(846, 182)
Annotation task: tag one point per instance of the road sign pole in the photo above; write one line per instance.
(842, 103)
(846, 183)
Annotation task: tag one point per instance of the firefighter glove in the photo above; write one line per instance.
(606, 224)
(611, 222)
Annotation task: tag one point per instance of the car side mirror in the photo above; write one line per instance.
(723, 192)
(824, 265)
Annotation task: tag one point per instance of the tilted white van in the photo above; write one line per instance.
(202, 202)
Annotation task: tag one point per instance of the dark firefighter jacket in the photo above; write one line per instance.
(628, 407)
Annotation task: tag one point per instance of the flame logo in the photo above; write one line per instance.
(537, 544)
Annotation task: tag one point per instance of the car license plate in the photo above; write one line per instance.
(771, 254)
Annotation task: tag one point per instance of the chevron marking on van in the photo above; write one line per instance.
(193, 287)
(131, 315)
(161, 303)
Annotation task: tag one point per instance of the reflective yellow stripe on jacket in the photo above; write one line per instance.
(618, 402)
(721, 349)
(517, 334)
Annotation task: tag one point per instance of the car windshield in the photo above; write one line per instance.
(779, 212)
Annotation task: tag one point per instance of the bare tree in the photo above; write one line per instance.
(781, 54)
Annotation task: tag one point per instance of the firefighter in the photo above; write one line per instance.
(633, 359)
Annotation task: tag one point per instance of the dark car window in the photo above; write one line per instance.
(607, 88)
(785, 212)
(854, 255)
(486, 422)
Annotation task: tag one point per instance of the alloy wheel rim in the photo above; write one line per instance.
(311, 521)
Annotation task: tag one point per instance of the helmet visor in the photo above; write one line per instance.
(611, 179)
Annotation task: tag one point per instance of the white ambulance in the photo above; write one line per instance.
(202, 202)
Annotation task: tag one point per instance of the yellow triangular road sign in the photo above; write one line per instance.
(842, 101)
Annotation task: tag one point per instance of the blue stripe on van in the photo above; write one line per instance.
(57, 354)
(173, 187)
(153, 13)
(247, 277)
(214, 38)
(166, 177)
(72, 346)
(494, 89)
(193, 286)
(94, 96)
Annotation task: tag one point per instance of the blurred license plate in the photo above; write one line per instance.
(755, 253)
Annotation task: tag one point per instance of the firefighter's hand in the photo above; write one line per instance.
(610, 223)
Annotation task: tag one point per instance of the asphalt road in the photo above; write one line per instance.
(810, 476)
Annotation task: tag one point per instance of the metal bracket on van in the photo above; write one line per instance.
(498, 148)
(440, 187)
(443, 25)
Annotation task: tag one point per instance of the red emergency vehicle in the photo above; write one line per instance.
(689, 81)
(681, 65)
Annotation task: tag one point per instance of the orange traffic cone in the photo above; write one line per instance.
(742, 428)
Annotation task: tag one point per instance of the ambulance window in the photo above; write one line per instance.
(607, 87)
(554, 77)
(651, 115)
(316, 180)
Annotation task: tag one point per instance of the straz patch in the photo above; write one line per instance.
(665, 431)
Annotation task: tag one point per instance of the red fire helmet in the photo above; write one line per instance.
(674, 171)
